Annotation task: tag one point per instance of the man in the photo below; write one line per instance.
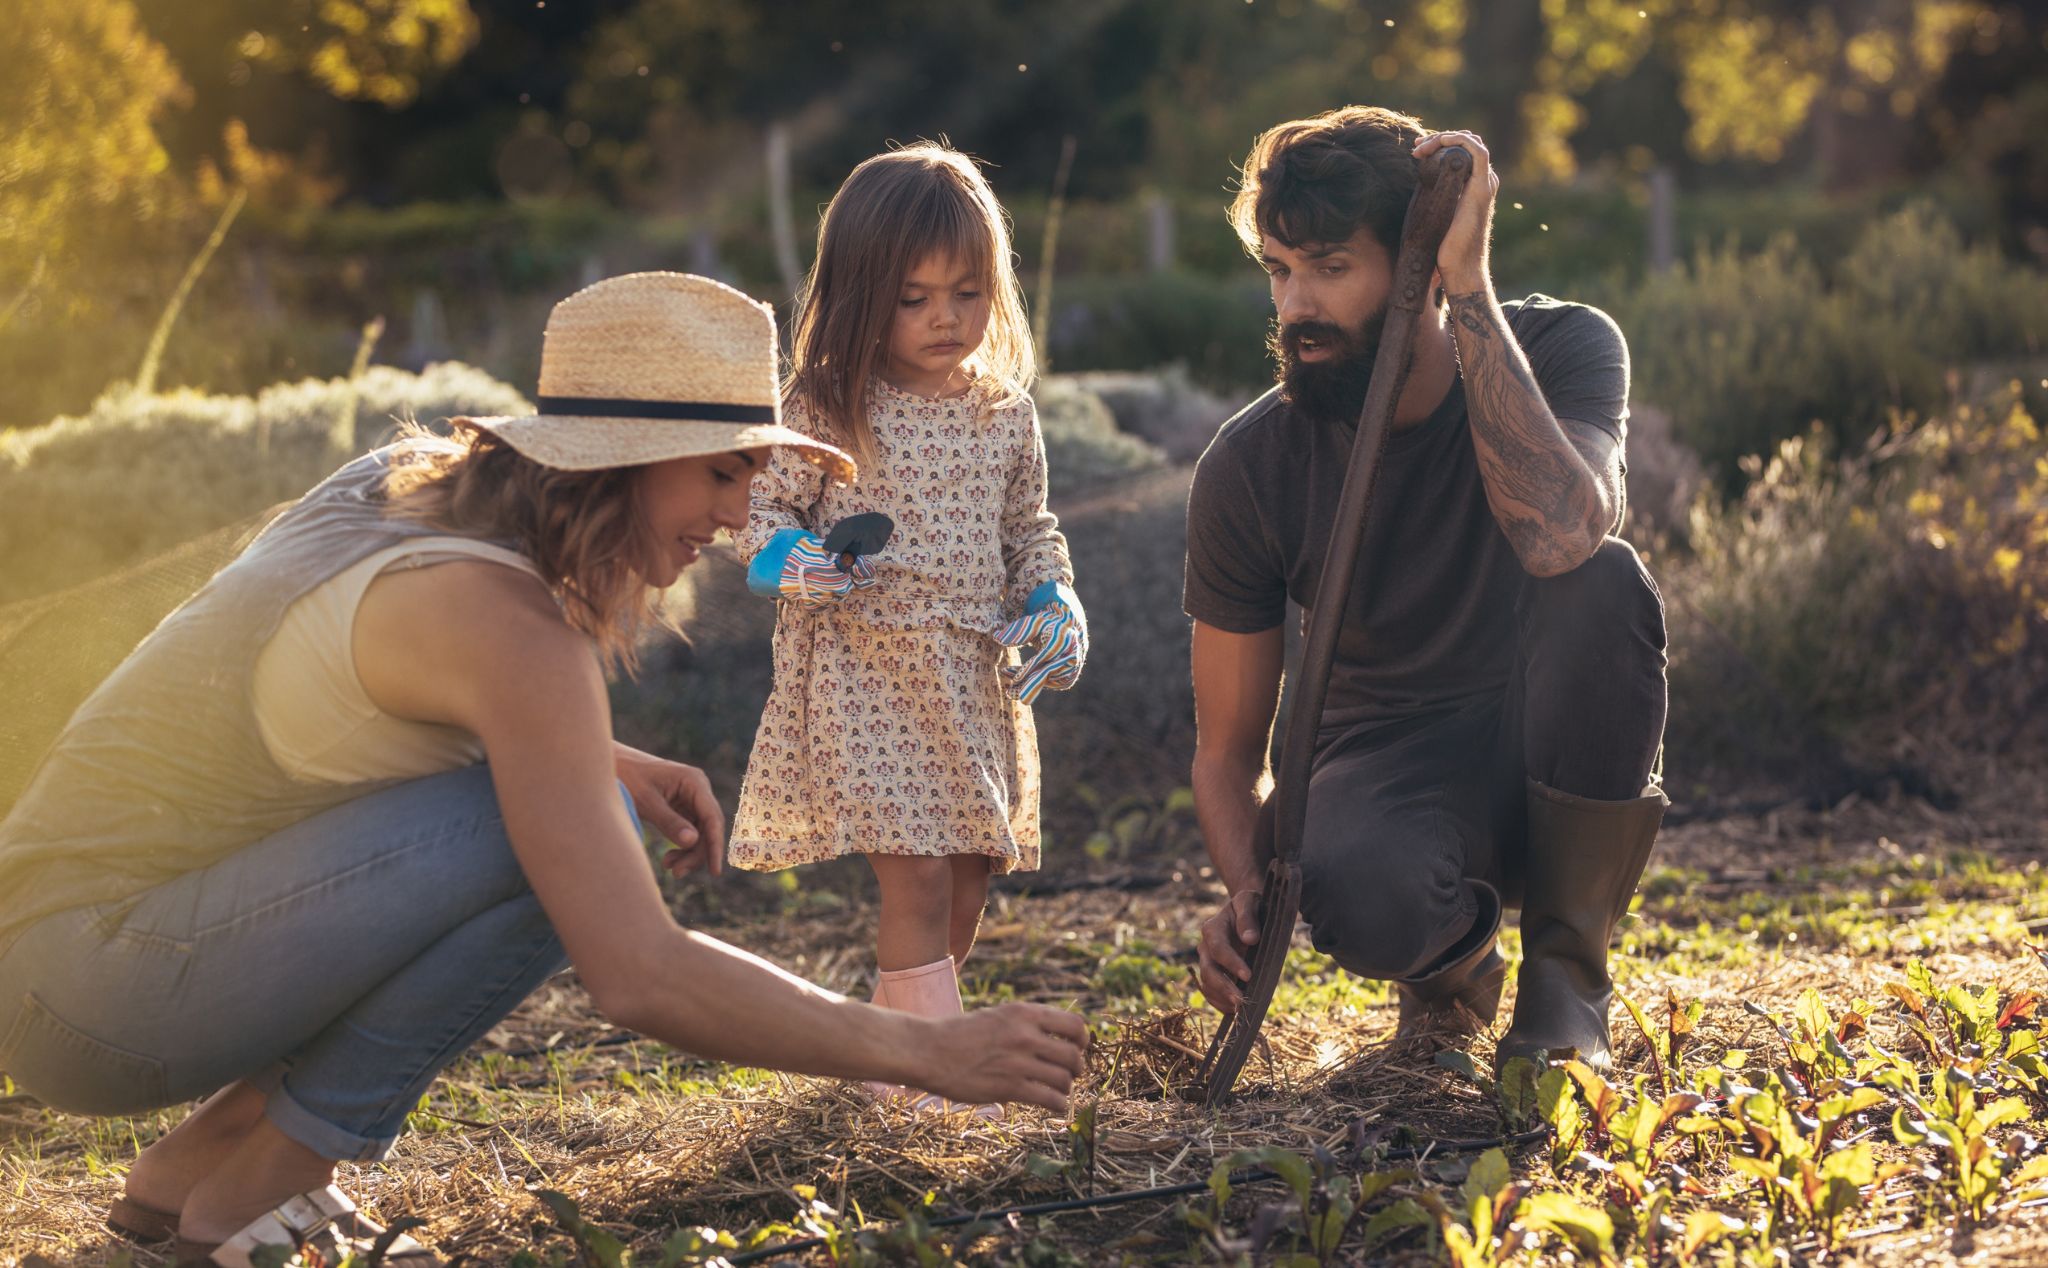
(1496, 706)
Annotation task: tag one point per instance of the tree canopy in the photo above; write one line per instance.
(122, 112)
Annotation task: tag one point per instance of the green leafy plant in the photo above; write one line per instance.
(1668, 1044)
(1081, 1145)
(1704, 1228)
(1514, 1093)
(1326, 1205)
(1558, 1105)
(1805, 1173)
(1626, 1137)
(1958, 1123)
(1498, 1214)
(598, 1247)
(1816, 1044)
(848, 1240)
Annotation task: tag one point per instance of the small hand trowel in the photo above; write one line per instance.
(858, 535)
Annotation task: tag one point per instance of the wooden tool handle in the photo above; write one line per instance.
(1443, 178)
(1443, 175)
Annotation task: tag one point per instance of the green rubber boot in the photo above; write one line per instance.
(1584, 860)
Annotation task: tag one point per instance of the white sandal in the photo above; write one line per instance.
(323, 1221)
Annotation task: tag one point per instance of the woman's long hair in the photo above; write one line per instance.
(584, 530)
(895, 210)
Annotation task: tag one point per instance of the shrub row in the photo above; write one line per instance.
(1842, 316)
(1083, 444)
(1870, 607)
(1747, 350)
(138, 474)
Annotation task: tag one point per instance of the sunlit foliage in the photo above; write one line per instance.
(1753, 73)
(84, 86)
(359, 50)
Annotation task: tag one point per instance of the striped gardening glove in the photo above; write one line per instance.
(795, 565)
(1055, 626)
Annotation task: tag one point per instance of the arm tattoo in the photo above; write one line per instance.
(1551, 487)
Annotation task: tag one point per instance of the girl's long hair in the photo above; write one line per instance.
(584, 530)
(894, 210)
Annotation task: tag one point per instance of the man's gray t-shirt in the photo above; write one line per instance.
(1430, 623)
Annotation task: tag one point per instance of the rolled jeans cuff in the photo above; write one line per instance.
(268, 1079)
(317, 1134)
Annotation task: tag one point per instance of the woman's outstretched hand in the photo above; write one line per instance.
(676, 801)
(1024, 1053)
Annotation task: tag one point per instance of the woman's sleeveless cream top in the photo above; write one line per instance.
(315, 718)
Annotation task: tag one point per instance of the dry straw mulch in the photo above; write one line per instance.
(647, 1141)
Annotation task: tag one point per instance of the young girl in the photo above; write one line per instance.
(899, 726)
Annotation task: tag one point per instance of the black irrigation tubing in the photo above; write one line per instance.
(1124, 1197)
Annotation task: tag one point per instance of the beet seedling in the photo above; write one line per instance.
(598, 1247)
(1806, 1175)
(1623, 1138)
(1326, 1204)
(1500, 1215)
(1952, 1120)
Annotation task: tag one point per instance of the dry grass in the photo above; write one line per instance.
(646, 1140)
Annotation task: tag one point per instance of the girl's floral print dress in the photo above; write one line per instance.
(888, 730)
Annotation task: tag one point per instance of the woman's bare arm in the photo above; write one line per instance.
(483, 647)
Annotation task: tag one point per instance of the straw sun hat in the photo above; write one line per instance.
(652, 366)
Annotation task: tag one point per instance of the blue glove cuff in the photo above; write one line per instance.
(1050, 592)
(764, 575)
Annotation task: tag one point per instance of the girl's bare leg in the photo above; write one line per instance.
(917, 904)
(970, 899)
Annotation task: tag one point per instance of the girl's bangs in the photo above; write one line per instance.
(958, 228)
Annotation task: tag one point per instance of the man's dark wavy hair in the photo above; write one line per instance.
(1317, 180)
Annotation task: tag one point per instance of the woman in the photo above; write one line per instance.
(342, 811)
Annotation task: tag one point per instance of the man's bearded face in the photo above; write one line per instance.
(1329, 383)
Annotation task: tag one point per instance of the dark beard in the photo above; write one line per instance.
(1332, 390)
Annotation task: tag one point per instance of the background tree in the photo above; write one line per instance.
(1756, 78)
(79, 154)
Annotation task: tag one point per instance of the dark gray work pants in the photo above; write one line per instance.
(1401, 813)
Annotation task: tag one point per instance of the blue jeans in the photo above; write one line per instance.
(339, 965)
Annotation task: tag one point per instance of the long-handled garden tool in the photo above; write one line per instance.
(1443, 176)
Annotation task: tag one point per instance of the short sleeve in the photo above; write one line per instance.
(1232, 580)
(1580, 361)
